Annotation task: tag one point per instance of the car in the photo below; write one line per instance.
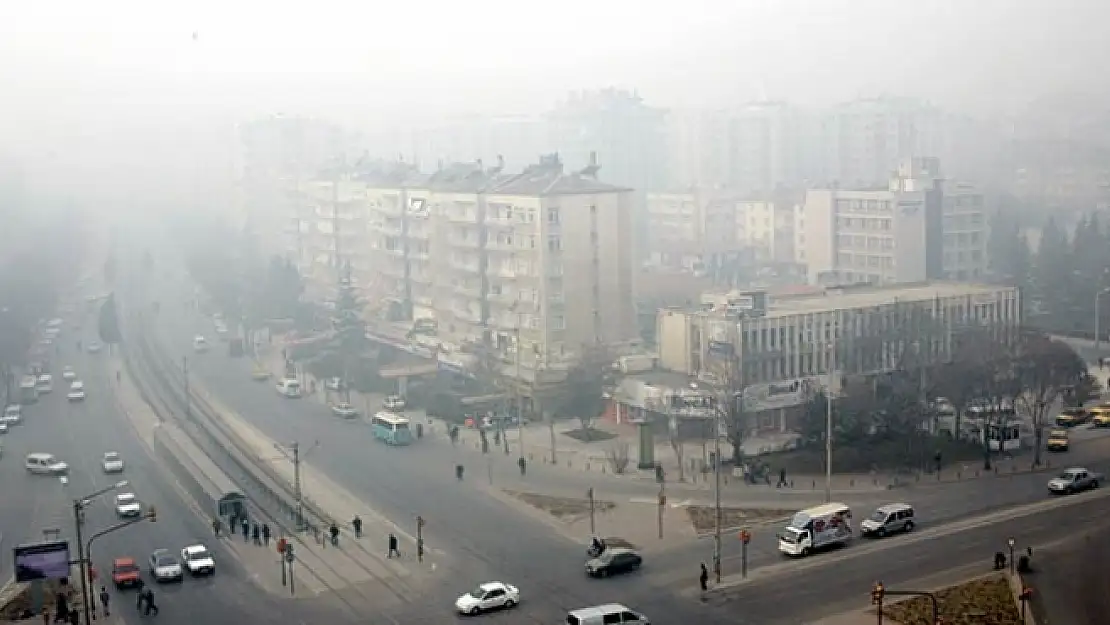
(1100, 416)
(1057, 440)
(165, 567)
(198, 560)
(13, 415)
(3, 428)
(94, 347)
(888, 519)
(488, 596)
(45, 383)
(345, 410)
(333, 384)
(68, 373)
(113, 462)
(258, 374)
(394, 403)
(126, 573)
(613, 561)
(127, 506)
(76, 391)
(200, 344)
(1072, 417)
(1074, 480)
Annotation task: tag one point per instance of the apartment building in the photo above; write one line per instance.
(920, 227)
(540, 261)
(328, 232)
(783, 347)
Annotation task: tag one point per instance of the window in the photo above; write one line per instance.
(558, 322)
(593, 209)
(612, 618)
(554, 243)
(553, 215)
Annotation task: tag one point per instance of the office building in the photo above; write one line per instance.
(783, 347)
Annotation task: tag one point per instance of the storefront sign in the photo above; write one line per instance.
(776, 395)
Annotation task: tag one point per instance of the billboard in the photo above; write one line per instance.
(48, 560)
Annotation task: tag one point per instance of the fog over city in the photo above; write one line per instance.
(465, 304)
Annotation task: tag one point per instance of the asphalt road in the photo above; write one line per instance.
(484, 538)
(79, 433)
(844, 582)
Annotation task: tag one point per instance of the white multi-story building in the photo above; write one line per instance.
(782, 348)
(540, 261)
(917, 228)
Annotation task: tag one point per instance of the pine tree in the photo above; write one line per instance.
(350, 329)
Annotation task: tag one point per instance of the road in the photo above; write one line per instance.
(79, 433)
(843, 581)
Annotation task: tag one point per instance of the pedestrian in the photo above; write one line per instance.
(357, 524)
(150, 606)
(216, 526)
(256, 534)
(232, 523)
(334, 532)
(523, 464)
(104, 599)
(782, 477)
(393, 546)
(140, 598)
(266, 533)
(61, 607)
(703, 579)
(246, 528)
(45, 616)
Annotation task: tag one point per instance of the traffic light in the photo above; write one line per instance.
(877, 592)
(152, 514)
(419, 521)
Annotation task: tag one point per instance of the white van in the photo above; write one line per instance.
(289, 388)
(45, 383)
(45, 463)
(816, 528)
(608, 614)
(889, 519)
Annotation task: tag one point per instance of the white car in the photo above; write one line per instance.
(113, 462)
(3, 428)
(94, 347)
(345, 410)
(76, 391)
(200, 344)
(198, 560)
(68, 373)
(45, 383)
(13, 415)
(488, 596)
(165, 567)
(394, 403)
(127, 506)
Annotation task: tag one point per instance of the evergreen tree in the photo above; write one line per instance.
(1053, 274)
(350, 330)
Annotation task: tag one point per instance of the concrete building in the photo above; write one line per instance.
(864, 140)
(784, 347)
(965, 226)
(327, 230)
(540, 261)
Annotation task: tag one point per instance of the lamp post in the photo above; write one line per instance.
(1011, 542)
(829, 421)
(1098, 319)
(78, 521)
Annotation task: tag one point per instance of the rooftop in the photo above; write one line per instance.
(548, 178)
(865, 296)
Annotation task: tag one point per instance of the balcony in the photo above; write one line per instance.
(467, 315)
(467, 290)
(393, 269)
(466, 266)
(421, 277)
(466, 242)
(504, 298)
(419, 233)
(502, 245)
(419, 254)
(389, 228)
(388, 206)
(456, 216)
(397, 252)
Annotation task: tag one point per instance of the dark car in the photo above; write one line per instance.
(614, 561)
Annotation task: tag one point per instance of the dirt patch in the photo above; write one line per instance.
(563, 508)
(591, 435)
(704, 518)
(988, 600)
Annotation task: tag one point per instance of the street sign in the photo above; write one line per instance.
(745, 536)
(281, 545)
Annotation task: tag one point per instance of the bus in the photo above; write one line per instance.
(391, 428)
(28, 390)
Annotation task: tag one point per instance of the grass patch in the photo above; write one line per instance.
(703, 518)
(882, 455)
(563, 508)
(984, 601)
(589, 435)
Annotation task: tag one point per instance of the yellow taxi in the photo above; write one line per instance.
(1072, 417)
(1100, 416)
(1057, 440)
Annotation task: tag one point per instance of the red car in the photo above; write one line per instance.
(125, 573)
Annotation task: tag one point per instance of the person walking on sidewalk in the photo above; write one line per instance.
(216, 525)
(523, 464)
(266, 534)
(333, 531)
(104, 599)
(246, 527)
(393, 547)
(703, 579)
(357, 524)
(782, 478)
(256, 534)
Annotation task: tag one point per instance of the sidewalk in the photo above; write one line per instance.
(352, 561)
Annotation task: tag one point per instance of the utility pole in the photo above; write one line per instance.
(717, 489)
(662, 505)
(419, 539)
(829, 421)
(590, 496)
(82, 564)
(517, 398)
(293, 454)
(185, 374)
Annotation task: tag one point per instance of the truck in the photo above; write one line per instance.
(1074, 480)
(817, 528)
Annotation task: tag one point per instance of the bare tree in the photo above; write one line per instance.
(679, 450)
(1045, 368)
(618, 457)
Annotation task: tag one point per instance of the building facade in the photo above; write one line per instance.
(784, 348)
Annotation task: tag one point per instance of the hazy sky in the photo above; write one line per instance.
(91, 71)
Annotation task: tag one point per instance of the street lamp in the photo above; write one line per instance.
(829, 421)
(1011, 542)
(1098, 320)
(78, 521)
